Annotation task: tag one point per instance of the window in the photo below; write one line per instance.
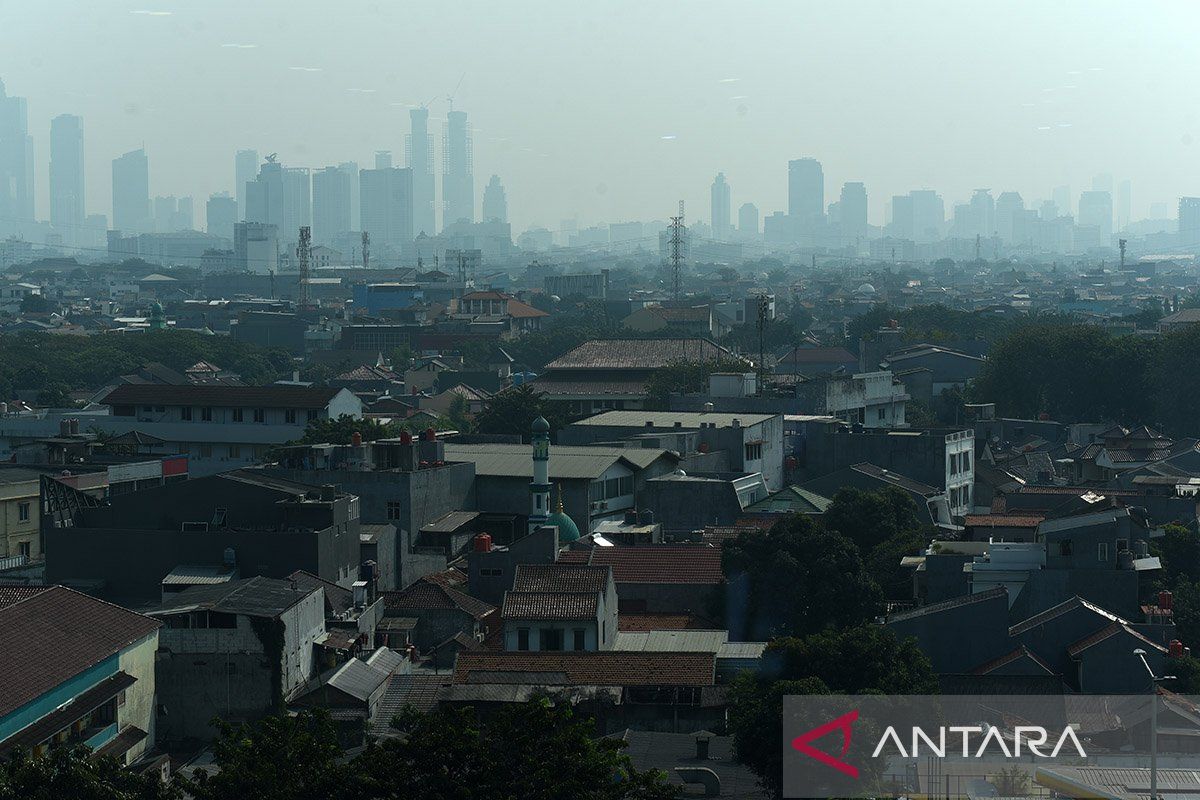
(1122, 544)
(185, 413)
(1102, 551)
(235, 451)
(490, 572)
(522, 638)
(580, 638)
(754, 451)
(121, 699)
(966, 461)
(259, 414)
(206, 414)
(596, 491)
(612, 487)
(627, 485)
(238, 415)
(206, 451)
(25, 549)
(289, 416)
(881, 414)
(552, 639)
(312, 415)
(393, 509)
(23, 512)
(1064, 547)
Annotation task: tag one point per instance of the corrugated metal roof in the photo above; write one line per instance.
(450, 522)
(515, 461)
(386, 659)
(671, 641)
(256, 597)
(197, 575)
(358, 679)
(667, 419)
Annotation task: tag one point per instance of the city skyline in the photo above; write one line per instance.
(961, 124)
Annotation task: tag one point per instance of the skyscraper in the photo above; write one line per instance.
(458, 178)
(221, 214)
(387, 210)
(66, 177)
(1061, 195)
(806, 192)
(1009, 206)
(983, 213)
(1189, 221)
(495, 204)
(720, 208)
(1096, 211)
(852, 206)
(245, 167)
(901, 224)
(331, 203)
(1124, 204)
(16, 162)
(383, 159)
(264, 196)
(351, 170)
(418, 147)
(748, 220)
(297, 203)
(131, 193)
(929, 214)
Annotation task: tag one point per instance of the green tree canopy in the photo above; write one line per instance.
(513, 410)
(75, 773)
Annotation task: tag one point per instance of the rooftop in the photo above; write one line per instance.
(561, 578)
(639, 354)
(667, 563)
(668, 419)
(426, 594)
(551, 605)
(596, 668)
(255, 597)
(566, 463)
(274, 396)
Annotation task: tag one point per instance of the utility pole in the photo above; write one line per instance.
(366, 250)
(676, 251)
(1154, 681)
(302, 250)
(1121, 243)
(763, 308)
(977, 239)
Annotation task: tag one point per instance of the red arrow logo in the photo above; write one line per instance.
(843, 724)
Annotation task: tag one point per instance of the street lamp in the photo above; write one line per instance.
(1154, 681)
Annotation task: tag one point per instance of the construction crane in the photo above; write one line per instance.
(450, 97)
(302, 253)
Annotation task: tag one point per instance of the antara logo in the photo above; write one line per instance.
(1032, 737)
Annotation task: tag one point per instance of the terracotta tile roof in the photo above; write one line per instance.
(667, 563)
(426, 594)
(1003, 520)
(1008, 658)
(56, 634)
(596, 668)
(661, 622)
(639, 354)
(15, 594)
(550, 605)
(1107, 633)
(560, 578)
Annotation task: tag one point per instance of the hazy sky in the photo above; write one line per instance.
(573, 103)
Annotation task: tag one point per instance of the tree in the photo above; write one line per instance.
(342, 430)
(793, 580)
(756, 723)
(277, 758)
(1179, 549)
(79, 774)
(684, 377)
(35, 304)
(513, 410)
(871, 518)
(458, 416)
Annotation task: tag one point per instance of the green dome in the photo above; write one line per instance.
(541, 426)
(567, 530)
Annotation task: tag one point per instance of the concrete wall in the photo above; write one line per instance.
(140, 709)
(13, 529)
(590, 628)
(303, 624)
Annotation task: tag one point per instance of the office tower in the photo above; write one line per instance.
(1124, 204)
(901, 224)
(458, 178)
(164, 213)
(221, 214)
(806, 192)
(245, 167)
(387, 211)
(1103, 182)
(929, 215)
(184, 217)
(1095, 211)
(16, 161)
(1049, 210)
(264, 196)
(495, 204)
(719, 196)
(1160, 210)
(94, 232)
(1189, 221)
(1061, 195)
(351, 170)
(418, 147)
(331, 189)
(383, 159)
(131, 193)
(297, 203)
(748, 219)
(256, 246)
(852, 210)
(1008, 208)
(66, 176)
(983, 213)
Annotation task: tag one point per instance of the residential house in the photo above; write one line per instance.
(440, 612)
(657, 579)
(20, 514)
(560, 607)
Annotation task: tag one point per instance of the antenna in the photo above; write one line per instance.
(302, 251)
(676, 250)
(366, 249)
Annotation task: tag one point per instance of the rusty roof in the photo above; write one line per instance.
(551, 605)
(667, 563)
(561, 578)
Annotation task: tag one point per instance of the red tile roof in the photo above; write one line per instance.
(639, 354)
(1108, 632)
(1008, 658)
(550, 605)
(667, 563)
(560, 578)
(1003, 520)
(596, 668)
(53, 635)
(15, 594)
(662, 622)
(429, 595)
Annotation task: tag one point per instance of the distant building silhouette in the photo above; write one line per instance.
(220, 214)
(1189, 221)
(806, 192)
(351, 170)
(66, 177)
(131, 193)
(245, 167)
(748, 220)
(1096, 211)
(852, 210)
(383, 159)
(458, 178)
(387, 208)
(16, 161)
(720, 208)
(418, 148)
(495, 203)
(331, 188)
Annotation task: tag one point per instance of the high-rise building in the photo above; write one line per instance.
(495, 203)
(256, 246)
(1096, 211)
(297, 203)
(458, 176)
(331, 189)
(720, 208)
(852, 208)
(901, 223)
(16, 162)
(387, 210)
(418, 148)
(221, 214)
(1103, 182)
(983, 214)
(806, 192)
(184, 215)
(245, 167)
(1124, 204)
(383, 159)
(1189, 221)
(929, 215)
(131, 193)
(748, 220)
(66, 176)
(351, 170)
(264, 196)
(1008, 208)
(1048, 210)
(1061, 195)
(165, 209)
